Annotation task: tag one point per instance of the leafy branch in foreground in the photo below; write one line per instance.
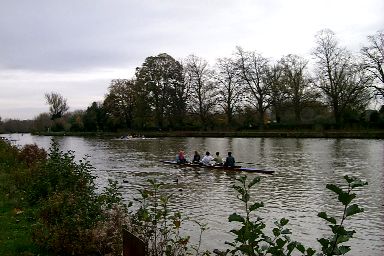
(159, 227)
(332, 245)
(251, 238)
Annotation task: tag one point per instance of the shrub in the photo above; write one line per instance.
(31, 154)
(71, 217)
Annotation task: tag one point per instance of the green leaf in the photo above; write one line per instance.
(359, 183)
(300, 247)
(286, 232)
(355, 182)
(239, 189)
(276, 232)
(310, 251)
(283, 221)
(242, 179)
(346, 198)
(236, 217)
(349, 179)
(324, 216)
(353, 209)
(256, 206)
(291, 246)
(334, 188)
(280, 242)
(324, 242)
(344, 249)
(254, 181)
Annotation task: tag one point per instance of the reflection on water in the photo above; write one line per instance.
(296, 191)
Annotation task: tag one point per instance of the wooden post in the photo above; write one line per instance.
(132, 246)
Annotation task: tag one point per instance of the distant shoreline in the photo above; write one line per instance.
(358, 134)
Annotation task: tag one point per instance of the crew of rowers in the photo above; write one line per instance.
(208, 159)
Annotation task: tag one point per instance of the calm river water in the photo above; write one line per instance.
(296, 191)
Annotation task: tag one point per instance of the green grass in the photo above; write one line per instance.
(15, 217)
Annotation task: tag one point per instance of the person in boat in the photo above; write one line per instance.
(180, 158)
(196, 158)
(207, 159)
(230, 160)
(218, 160)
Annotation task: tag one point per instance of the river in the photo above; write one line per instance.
(295, 191)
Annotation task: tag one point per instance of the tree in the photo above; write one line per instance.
(202, 88)
(252, 70)
(42, 122)
(57, 104)
(278, 90)
(94, 118)
(75, 120)
(297, 82)
(342, 82)
(161, 89)
(373, 60)
(120, 101)
(229, 87)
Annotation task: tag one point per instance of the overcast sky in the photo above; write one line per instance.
(76, 47)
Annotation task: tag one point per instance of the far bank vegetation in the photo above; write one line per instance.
(335, 89)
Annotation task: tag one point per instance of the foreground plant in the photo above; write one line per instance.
(159, 227)
(252, 239)
(334, 245)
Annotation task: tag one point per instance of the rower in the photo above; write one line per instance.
(180, 158)
(218, 160)
(207, 159)
(230, 160)
(196, 158)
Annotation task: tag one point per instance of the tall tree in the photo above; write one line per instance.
(229, 88)
(278, 90)
(373, 60)
(94, 118)
(201, 86)
(252, 70)
(57, 104)
(298, 83)
(160, 81)
(343, 83)
(119, 102)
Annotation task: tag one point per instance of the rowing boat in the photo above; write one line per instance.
(222, 167)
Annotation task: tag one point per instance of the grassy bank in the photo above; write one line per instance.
(355, 134)
(15, 217)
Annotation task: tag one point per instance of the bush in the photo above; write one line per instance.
(71, 217)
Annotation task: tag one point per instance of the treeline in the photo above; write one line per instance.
(244, 91)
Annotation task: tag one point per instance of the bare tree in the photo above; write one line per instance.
(343, 83)
(57, 104)
(229, 87)
(373, 60)
(298, 83)
(202, 88)
(252, 71)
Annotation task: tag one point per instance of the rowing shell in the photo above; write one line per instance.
(235, 168)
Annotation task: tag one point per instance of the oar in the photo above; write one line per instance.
(239, 162)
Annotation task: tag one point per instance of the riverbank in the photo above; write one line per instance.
(15, 216)
(353, 134)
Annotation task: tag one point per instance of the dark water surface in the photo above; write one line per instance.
(296, 191)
